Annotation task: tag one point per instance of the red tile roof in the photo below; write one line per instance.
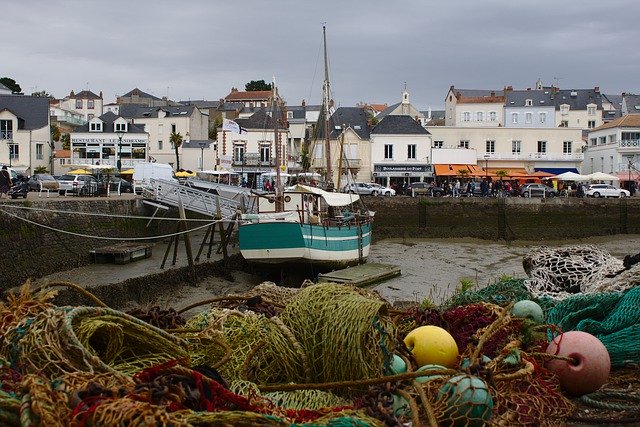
(256, 95)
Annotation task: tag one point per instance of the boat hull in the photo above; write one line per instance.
(277, 242)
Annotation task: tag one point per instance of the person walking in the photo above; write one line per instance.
(5, 182)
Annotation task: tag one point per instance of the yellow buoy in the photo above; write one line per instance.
(432, 345)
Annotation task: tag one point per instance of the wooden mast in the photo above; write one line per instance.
(326, 114)
(276, 141)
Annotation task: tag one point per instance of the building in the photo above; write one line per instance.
(301, 121)
(160, 122)
(614, 148)
(251, 101)
(529, 109)
(254, 151)
(138, 97)
(402, 108)
(400, 151)
(85, 102)
(25, 137)
(109, 140)
(66, 120)
(474, 108)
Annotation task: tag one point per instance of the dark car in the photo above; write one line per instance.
(115, 181)
(42, 181)
(424, 189)
(537, 190)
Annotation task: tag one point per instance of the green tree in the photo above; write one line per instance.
(11, 84)
(40, 169)
(55, 137)
(176, 141)
(213, 129)
(42, 94)
(66, 141)
(255, 85)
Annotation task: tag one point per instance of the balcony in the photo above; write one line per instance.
(6, 135)
(532, 156)
(629, 143)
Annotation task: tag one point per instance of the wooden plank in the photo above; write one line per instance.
(362, 275)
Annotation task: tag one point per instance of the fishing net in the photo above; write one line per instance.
(41, 405)
(561, 272)
(346, 333)
(612, 317)
(64, 340)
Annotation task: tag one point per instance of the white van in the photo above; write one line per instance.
(144, 172)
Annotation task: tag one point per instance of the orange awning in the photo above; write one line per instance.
(511, 173)
(454, 170)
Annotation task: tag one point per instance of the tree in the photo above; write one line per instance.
(42, 94)
(66, 141)
(255, 85)
(176, 141)
(11, 84)
(40, 169)
(55, 137)
(213, 129)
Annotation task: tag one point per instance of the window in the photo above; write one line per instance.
(528, 117)
(173, 128)
(564, 123)
(602, 140)
(564, 109)
(39, 151)
(542, 147)
(594, 141)
(121, 127)
(438, 144)
(411, 151)
(492, 116)
(466, 116)
(516, 147)
(567, 147)
(543, 118)
(6, 129)
(591, 110)
(514, 118)
(289, 114)
(479, 116)
(78, 103)
(160, 129)
(14, 151)
(388, 151)
(160, 144)
(238, 153)
(490, 146)
(90, 104)
(95, 127)
(591, 124)
(528, 102)
(464, 143)
(265, 154)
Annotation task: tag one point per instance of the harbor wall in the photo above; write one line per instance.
(43, 238)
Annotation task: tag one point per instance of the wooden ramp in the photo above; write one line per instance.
(361, 275)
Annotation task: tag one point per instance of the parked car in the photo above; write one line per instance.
(537, 190)
(425, 189)
(382, 190)
(42, 181)
(83, 185)
(20, 188)
(115, 181)
(360, 188)
(605, 190)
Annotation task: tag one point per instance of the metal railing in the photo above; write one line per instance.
(629, 143)
(173, 193)
(6, 134)
(572, 157)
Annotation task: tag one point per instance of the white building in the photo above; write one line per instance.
(25, 139)
(85, 102)
(614, 148)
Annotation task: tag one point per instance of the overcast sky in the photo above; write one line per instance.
(199, 49)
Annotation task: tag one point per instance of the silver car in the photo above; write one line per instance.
(83, 185)
(361, 188)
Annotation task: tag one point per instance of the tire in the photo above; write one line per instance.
(128, 190)
(61, 192)
(526, 194)
(596, 194)
(437, 194)
(552, 195)
(374, 193)
(623, 195)
(388, 194)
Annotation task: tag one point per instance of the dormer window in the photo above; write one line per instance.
(95, 127)
(120, 127)
(591, 110)
(564, 109)
(528, 102)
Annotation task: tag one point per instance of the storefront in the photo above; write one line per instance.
(399, 175)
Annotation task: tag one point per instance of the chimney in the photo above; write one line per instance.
(304, 104)
(234, 90)
(493, 93)
(596, 89)
(100, 94)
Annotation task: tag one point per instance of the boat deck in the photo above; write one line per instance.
(362, 275)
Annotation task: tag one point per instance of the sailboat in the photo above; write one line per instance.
(306, 224)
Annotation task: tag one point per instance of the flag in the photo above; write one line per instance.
(232, 126)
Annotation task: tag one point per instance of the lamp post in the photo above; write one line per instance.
(10, 147)
(202, 145)
(486, 167)
(119, 161)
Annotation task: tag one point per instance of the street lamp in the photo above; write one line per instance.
(486, 167)
(202, 145)
(120, 134)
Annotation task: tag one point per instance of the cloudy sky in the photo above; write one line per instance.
(199, 49)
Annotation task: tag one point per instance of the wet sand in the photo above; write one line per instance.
(434, 268)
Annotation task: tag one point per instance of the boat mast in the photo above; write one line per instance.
(326, 113)
(276, 141)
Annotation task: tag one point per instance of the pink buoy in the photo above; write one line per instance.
(589, 372)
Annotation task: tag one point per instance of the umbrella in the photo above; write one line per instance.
(570, 176)
(185, 174)
(601, 176)
(79, 172)
(127, 172)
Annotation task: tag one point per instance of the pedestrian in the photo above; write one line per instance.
(456, 188)
(5, 182)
